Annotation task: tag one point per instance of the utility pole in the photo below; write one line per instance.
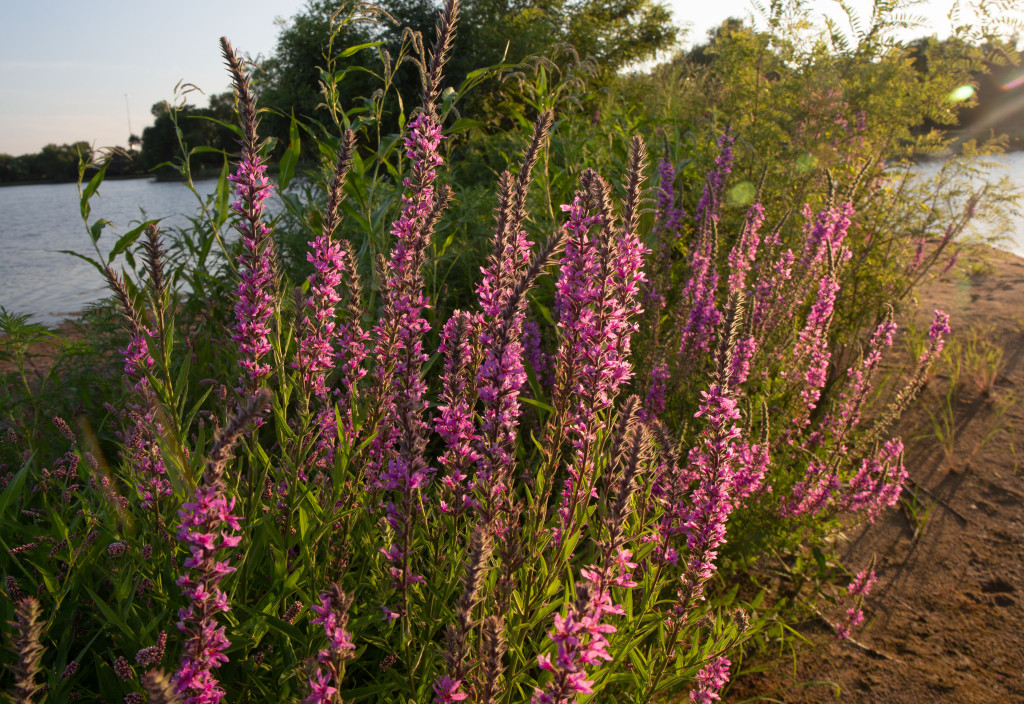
(128, 112)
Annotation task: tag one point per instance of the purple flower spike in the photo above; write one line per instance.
(580, 635)
(206, 526)
(332, 614)
(597, 296)
(396, 459)
(316, 355)
(714, 184)
(455, 423)
(710, 681)
(257, 280)
(255, 306)
(668, 217)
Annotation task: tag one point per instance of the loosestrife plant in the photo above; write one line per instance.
(546, 504)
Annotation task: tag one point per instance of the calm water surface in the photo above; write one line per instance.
(38, 221)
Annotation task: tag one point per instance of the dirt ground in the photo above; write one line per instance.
(945, 623)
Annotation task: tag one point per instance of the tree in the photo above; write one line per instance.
(615, 33)
(160, 140)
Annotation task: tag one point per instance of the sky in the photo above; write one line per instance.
(72, 71)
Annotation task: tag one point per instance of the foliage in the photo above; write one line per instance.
(177, 123)
(388, 446)
(55, 163)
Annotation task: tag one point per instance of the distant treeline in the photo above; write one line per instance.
(290, 81)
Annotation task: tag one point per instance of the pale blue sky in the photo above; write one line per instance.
(65, 67)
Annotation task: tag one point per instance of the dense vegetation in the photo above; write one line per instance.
(588, 428)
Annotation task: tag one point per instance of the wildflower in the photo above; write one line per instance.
(455, 423)
(154, 653)
(62, 426)
(257, 281)
(507, 278)
(698, 296)
(207, 526)
(332, 614)
(124, 669)
(859, 588)
(70, 670)
(744, 252)
(668, 217)
(714, 184)
(710, 681)
(321, 691)
(316, 355)
(597, 295)
(447, 690)
(141, 443)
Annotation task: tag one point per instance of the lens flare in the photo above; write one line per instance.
(1015, 83)
(742, 193)
(806, 162)
(961, 94)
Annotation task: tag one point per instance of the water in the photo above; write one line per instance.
(1008, 236)
(38, 221)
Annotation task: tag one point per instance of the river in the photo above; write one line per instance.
(37, 221)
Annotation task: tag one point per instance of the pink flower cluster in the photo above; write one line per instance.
(141, 448)
(316, 355)
(455, 422)
(597, 296)
(710, 681)
(580, 635)
(858, 589)
(206, 526)
(255, 305)
(332, 614)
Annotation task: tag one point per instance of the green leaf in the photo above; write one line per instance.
(90, 190)
(128, 239)
(230, 125)
(464, 124)
(358, 47)
(13, 489)
(291, 155)
(537, 404)
(96, 229)
(99, 267)
(109, 613)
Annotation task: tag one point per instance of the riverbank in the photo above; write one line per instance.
(945, 622)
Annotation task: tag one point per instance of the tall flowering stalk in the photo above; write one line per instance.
(668, 217)
(207, 526)
(455, 422)
(397, 452)
(141, 443)
(507, 278)
(847, 415)
(698, 297)
(581, 635)
(458, 654)
(257, 278)
(811, 351)
(858, 589)
(397, 461)
(319, 335)
(598, 299)
(710, 203)
(332, 614)
(744, 253)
